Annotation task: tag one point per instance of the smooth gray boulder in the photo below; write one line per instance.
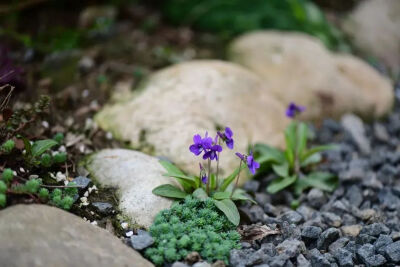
(298, 68)
(191, 98)
(135, 175)
(40, 235)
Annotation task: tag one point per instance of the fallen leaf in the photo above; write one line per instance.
(256, 232)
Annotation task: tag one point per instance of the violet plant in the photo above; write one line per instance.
(208, 184)
(293, 165)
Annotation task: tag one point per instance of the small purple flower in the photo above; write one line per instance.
(203, 175)
(212, 153)
(227, 137)
(204, 178)
(200, 144)
(293, 109)
(251, 163)
(241, 156)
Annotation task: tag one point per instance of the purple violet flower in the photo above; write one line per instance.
(251, 163)
(203, 175)
(227, 137)
(212, 153)
(200, 144)
(293, 109)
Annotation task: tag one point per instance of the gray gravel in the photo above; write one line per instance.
(358, 224)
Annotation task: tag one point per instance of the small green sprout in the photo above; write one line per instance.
(8, 175)
(3, 187)
(33, 185)
(60, 157)
(8, 146)
(59, 137)
(46, 160)
(43, 194)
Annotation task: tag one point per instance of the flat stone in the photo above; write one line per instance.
(135, 175)
(338, 244)
(142, 240)
(103, 207)
(381, 243)
(205, 95)
(287, 62)
(351, 230)
(392, 252)
(344, 257)
(331, 219)
(316, 198)
(317, 259)
(355, 126)
(327, 237)
(365, 251)
(39, 235)
(291, 247)
(82, 182)
(311, 232)
(302, 261)
(292, 217)
(375, 229)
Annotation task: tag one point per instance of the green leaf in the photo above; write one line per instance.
(222, 195)
(280, 184)
(290, 139)
(316, 149)
(281, 170)
(322, 180)
(187, 182)
(171, 168)
(299, 186)
(229, 209)
(302, 134)
(268, 154)
(199, 193)
(167, 190)
(241, 195)
(315, 158)
(41, 146)
(228, 180)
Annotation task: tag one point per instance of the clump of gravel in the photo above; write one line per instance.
(358, 224)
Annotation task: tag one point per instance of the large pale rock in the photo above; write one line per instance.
(39, 235)
(135, 175)
(195, 97)
(374, 28)
(298, 68)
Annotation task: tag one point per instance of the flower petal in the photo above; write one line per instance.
(239, 155)
(197, 139)
(228, 132)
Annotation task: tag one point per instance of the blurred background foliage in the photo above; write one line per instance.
(225, 18)
(232, 17)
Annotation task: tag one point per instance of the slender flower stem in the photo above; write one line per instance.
(237, 178)
(209, 177)
(216, 177)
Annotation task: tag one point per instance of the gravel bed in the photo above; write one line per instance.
(358, 224)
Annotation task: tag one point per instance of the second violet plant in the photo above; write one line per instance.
(293, 167)
(208, 184)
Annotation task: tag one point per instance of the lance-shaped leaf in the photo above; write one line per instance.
(167, 190)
